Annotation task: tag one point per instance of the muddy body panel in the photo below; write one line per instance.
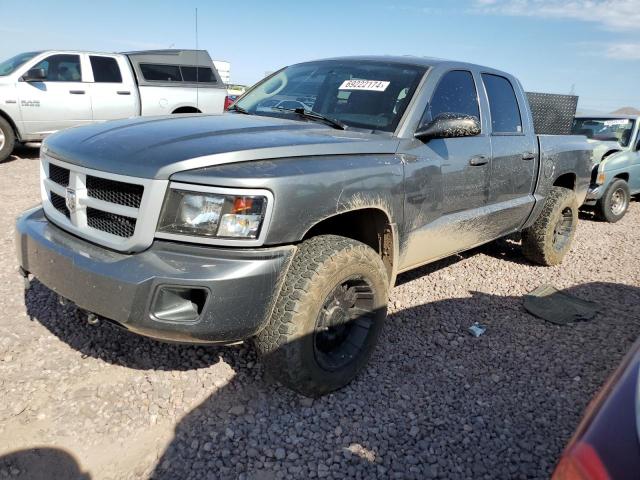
(151, 293)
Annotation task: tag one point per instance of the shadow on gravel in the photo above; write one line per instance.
(589, 213)
(29, 151)
(41, 463)
(508, 249)
(433, 402)
(110, 343)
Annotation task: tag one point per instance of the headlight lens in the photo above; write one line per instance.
(212, 214)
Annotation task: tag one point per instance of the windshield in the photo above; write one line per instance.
(605, 129)
(9, 66)
(360, 94)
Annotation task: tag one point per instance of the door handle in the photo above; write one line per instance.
(528, 156)
(76, 92)
(478, 160)
(123, 92)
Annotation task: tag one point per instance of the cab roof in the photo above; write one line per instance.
(426, 62)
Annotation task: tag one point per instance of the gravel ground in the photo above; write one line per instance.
(435, 402)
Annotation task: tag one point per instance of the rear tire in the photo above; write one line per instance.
(614, 202)
(549, 239)
(7, 139)
(328, 316)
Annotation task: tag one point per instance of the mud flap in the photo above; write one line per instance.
(560, 308)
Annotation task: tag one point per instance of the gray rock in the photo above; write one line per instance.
(280, 453)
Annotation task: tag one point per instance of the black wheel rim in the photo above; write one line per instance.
(344, 324)
(563, 229)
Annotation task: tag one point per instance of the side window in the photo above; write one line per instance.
(456, 93)
(204, 74)
(61, 68)
(160, 73)
(105, 70)
(505, 113)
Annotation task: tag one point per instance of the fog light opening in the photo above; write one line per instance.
(178, 304)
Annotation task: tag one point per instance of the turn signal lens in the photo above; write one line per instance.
(601, 178)
(242, 204)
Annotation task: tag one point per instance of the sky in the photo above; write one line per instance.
(590, 47)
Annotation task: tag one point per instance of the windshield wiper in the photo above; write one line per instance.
(310, 114)
(236, 108)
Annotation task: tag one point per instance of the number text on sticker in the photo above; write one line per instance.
(371, 85)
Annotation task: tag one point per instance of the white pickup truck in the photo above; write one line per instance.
(42, 92)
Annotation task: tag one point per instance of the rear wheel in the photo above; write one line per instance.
(549, 239)
(7, 139)
(615, 202)
(328, 316)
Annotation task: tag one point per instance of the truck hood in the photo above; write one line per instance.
(157, 147)
(601, 147)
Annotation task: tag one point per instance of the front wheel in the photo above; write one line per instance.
(549, 239)
(615, 202)
(328, 316)
(7, 139)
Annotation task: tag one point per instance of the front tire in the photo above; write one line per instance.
(328, 316)
(549, 239)
(7, 139)
(614, 202)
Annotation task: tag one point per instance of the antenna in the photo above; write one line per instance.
(197, 65)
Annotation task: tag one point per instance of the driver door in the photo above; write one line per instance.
(447, 185)
(59, 101)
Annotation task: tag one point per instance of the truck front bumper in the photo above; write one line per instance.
(171, 291)
(593, 194)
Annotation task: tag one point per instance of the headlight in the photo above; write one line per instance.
(213, 214)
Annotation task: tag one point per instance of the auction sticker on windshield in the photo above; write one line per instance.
(610, 123)
(371, 85)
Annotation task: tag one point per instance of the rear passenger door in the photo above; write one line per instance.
(113, 90)
(514, 153)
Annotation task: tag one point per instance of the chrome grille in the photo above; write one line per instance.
(59, 175)
(60, 204)
(118, 225)
(126, 194)
(102, 207)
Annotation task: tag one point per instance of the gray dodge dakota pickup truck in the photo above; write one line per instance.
(289, 225)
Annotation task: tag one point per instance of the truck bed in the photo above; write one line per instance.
(565, 160)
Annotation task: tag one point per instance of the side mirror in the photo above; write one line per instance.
(35, 75)
(449, 125)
